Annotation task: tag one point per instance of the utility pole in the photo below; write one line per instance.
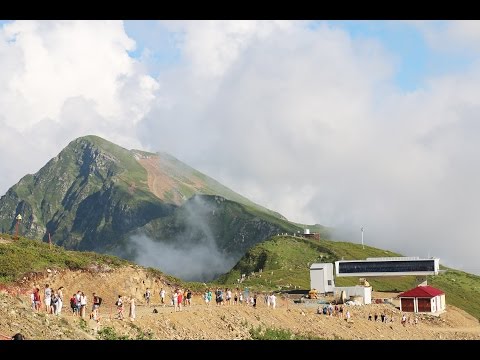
(363, 247)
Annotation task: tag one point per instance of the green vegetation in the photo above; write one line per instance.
(461, 289)
(278, 334)
(141, 335)
(22, 256)
(285, 262)
(108, 333)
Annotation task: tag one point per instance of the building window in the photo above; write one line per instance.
(329, 282)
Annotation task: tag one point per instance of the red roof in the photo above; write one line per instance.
(422, 291)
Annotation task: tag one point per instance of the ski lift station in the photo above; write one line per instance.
(322, 278)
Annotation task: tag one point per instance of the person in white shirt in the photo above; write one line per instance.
(162, 297)
(48, 299)
(83, 305)
(273, 301)
(32, 298)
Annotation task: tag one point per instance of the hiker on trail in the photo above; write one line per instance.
(376, 317)
(205, 297)
(218, 296)
(97, 301)
(83, 305)
(175, 300)
(189, 297)
(180, 299)
(369, 317)
(58, 310)
(32, 298)
(184, 298)
(228, 296)
(147, 296)
(54, 302)
(78, 301)
(132, 309)
(416, 321)
(255, 300)
(348, 316)
(383, 317)
(209, 295)
(240, 298)
(273, 300)
(119, 304)
(48, 299)
(73, 304)
(235, 297)
(404, 320)
(162, 297)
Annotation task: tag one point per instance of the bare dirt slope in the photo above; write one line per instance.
(208, 322)
(163, 181)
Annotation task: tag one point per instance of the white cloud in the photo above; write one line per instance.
(64, 79)
(310, 124)
(451, 36)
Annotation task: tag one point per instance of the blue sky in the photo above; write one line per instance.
(415, 59)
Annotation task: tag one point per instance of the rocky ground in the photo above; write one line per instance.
(201, 321)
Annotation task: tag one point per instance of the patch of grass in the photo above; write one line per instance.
(141, 335)
(83, 325)
(268, 333)
(108, 333)
(23, 256)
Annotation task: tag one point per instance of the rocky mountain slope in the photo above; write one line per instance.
(95, 195)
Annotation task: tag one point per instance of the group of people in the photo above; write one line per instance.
(384, 318)
(53, 299)
(120, 304)
(79, 302)
(180, 298)
(331, 310)
(336, 310)
(226, 297)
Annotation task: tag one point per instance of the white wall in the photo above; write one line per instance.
(320, 275)
(363, 291)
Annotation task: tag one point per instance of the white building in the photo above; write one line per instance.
(321, 277)
(364, 292)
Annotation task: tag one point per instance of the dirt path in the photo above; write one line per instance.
(210, 322)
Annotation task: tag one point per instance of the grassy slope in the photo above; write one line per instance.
(23, 255)
(285, 262)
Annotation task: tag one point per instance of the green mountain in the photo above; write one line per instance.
(285, 261)
(95, 195)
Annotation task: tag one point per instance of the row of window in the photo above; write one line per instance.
(386, 266)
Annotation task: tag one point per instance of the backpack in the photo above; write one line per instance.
(99, 301)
